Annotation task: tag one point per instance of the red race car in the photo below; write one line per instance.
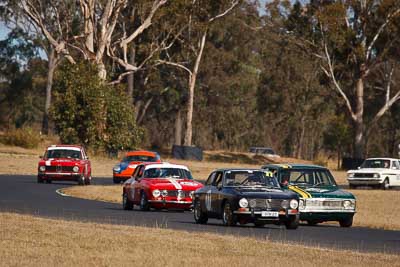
(64, 163)
(124, 170)
(159, 186)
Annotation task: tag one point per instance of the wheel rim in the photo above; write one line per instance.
(124, 200)
(227, 213)
(142, 200)
(197, 211)
(386, 184)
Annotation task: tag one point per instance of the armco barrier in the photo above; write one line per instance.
(187, 152)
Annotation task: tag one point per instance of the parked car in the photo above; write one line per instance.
(159, 186)
(377, 172)
(245, 196)
(321, 199)
(263, 150)
(124, 169)
(65, 163)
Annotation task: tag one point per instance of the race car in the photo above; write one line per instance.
(124, 170)
(159, 186)
(321, 199)
(378, 172)
(64, 163)
(245, 196)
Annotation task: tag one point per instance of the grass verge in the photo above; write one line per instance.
(28, 240)
(373, 206)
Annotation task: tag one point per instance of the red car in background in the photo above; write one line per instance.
(124, 170)
(65, 163)
(159, 186)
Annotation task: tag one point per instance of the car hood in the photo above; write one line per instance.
(172, 184)
(370, 170)
(321, 192)
(265, 193)
(60, 161)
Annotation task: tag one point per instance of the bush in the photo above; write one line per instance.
(88, 111)
(23, 137)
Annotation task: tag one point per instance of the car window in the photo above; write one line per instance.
(210, 179)
(137, 170)
(396, 164)
(63, 153)
(218, 179)
(141, 158)
(307, 177)
(176, 173)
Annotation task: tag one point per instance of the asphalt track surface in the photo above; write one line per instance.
(21, 194)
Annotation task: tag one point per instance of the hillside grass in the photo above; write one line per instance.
(31, 241)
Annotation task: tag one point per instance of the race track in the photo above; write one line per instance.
(21, 194)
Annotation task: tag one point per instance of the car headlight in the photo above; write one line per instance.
(302, 204)
(252, 203)
(377, 175)
(348, 204)
(156, 193)
(75, 169)
(181, 194)
(132, 166)
(164, 193)
(243, 203)
(351, 175)
(294, 204)
(191, 194)
(117, 168)
(42, 168)
(285, 204)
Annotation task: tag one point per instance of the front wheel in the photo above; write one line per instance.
(228, 218)
(312, 222)
(88, 180)
(126, 203)
(81, 180)
(348, 222)
(352, 186)
(292, 223)
(40, 180)
(144, 203)
(385, 184)
(259, 224)
(199, 216)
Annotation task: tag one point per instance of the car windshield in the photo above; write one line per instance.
(62, 153)
(307, 177)
(175, 173)
(376, 163)
(249, 178)
(141, 158)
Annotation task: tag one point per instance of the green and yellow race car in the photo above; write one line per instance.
(321, 199)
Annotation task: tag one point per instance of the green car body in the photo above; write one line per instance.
(321, 199)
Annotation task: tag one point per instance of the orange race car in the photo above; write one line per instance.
(123, 170)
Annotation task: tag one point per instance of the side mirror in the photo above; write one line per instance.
(40, 157)
(219, 187)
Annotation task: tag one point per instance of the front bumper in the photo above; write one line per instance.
(171, 204)
(365, 181)
(64, 176)
(253, 215)
(326, 216)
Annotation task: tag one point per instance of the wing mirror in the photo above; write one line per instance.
(40, 157)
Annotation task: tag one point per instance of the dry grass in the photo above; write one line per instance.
(32, 241)
(373, 208)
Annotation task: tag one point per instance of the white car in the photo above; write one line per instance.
(379, 172)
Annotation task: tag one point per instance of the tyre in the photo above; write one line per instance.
(292, 223)
(347, 222)
(385, 184)
(312, 222)
(81, 180)
(199, 216)
(39, 180)
(228, 218)
(259, 224)
(144, 203)
(88, 180)
(48, 181)
(116, 181)
(352, 186)
(126, 203)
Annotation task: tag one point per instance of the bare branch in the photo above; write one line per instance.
(234, 3)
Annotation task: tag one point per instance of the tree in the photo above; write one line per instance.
(353, 39)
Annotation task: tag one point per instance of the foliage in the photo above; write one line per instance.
(23, 137)
(86, 110)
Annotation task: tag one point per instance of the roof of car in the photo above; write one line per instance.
(153, 165)
(382, 158)
(141, 152)
(74, 147)
(237, 169)
(294, 166)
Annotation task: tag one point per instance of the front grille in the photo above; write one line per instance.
(59, 168)
(174, 193)
(325, 204)
(364, 175)
(266, 204)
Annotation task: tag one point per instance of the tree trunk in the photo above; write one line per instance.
(178, 129)
(192, 83)
(131, 77)
(359, 138)
(50, 74)
(101, 70)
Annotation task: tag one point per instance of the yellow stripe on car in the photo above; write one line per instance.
(301, 192)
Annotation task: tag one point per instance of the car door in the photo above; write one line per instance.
(217, 193)
(135, 184)
(396, 169)
(205, 195)
(85, 158)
